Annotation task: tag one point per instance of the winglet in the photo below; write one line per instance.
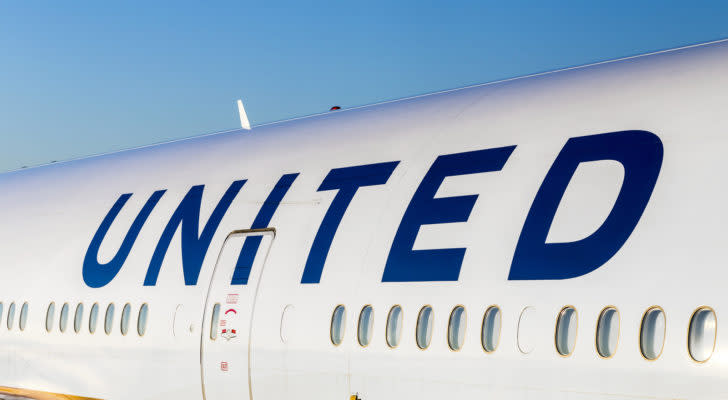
(244, 123)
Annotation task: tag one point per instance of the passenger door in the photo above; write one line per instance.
(229, 307)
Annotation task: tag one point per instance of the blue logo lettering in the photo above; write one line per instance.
(194, 244)
(252, 243)
(97, 275)
(640, 153)
(407, 265)
(347, 181)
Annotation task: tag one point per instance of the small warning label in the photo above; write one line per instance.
(224, 366)
(232, 298)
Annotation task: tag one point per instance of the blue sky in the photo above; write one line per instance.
(81, 78)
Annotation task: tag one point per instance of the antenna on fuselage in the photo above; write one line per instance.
(244, 123)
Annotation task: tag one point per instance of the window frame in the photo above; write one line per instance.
(50, 316)
(690, 325)
(144, 306)
(359, 326)
(417, 326)
(78, 317)
(93, 310)
(449, 322)
(664, 335)
(401, 327)
(500, 326)
(343, 326)
(556, 330)
(109, 321)
(23, 319)
(619, 331)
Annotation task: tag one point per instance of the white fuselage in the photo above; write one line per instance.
(672, 255)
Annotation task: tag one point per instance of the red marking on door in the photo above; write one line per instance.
(232, 298)
(224, 366)
(223, 322)
(231, 310)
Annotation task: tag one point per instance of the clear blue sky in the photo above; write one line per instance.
(80, 78)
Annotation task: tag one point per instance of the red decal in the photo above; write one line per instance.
(232, 310)
(232, 298)
(223, 322)
(224, 366)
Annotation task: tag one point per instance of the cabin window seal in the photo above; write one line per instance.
(598, 327)
(337, 332)
(396, 336)
(491, 308)
(560, 318)
(430, 322)
(715, 336)
(664, 334)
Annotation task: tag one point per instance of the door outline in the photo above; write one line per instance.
(246, 233)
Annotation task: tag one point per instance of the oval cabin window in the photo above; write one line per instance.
(50, 316)
(109, 319)
(456, 328)
(125, 317)
(366, 326)
(78, 318)
(566, 327)
(423, 331)
(607, 332)
(142, 320)
(93, 318)
(11, 315)
(214, 320)
(490, 334)
(23, 316)
(701, 338)
(394, 326)
(338, 318)
(652, 333)
(63, 322)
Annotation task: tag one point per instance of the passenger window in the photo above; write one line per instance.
(652, 333)
(424, 327)
(490, 334)
(566, 326)
(214, 321)
(701, 338)
(63, 323)
(142, 321)
(93, 318)
(608, 332)
(456, 328)
(338, 319)
(394, 326)
(125, 316)
(109, 320)
(78, 318)
(50, 316)
(366, 325)
(11, 315)
(1, 311)
(23, 316)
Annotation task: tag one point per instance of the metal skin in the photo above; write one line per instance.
(673, 256)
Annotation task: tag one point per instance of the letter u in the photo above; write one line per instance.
(96, 274)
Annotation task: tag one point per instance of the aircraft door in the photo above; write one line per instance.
(229, 307)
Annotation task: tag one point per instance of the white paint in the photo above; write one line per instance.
(50, 214)
(244, 123)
